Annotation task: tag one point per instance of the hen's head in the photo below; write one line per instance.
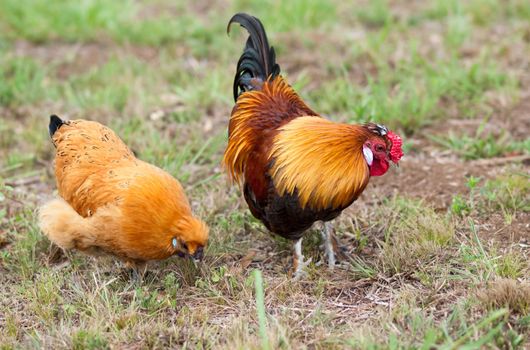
(190, 237)
(380, 148)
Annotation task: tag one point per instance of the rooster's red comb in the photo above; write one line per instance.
(395, 152)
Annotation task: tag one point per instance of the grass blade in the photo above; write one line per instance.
(260, 307)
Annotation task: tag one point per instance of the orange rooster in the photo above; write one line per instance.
(114, 203)
(294, 166)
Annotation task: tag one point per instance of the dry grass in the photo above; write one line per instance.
(507, 293)
(415, 236)
(419, 243)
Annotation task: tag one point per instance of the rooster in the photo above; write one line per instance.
(113, 203)
(295, 167)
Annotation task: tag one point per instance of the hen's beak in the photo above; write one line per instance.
(198, 255)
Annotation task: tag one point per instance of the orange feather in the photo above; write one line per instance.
(254, 120)
(320, 159)
(114, 202)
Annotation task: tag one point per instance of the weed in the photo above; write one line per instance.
(507, 192)
(460, 206)
(84, 339)
(260, 306)
(507, 293)
(482, 145)
(414, 233)
(511, 265)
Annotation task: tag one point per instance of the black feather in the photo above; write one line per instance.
(55, 123)
(258, 60)
(283, 214)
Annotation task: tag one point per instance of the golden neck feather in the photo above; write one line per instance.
(321, 159)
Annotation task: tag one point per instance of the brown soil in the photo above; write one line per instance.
(80, 58)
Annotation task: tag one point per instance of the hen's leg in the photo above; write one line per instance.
(137, 271)
(327, 235)
(136, 277)
(298, 261)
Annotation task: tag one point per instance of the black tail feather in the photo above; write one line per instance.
(258, 59)
(55, 123)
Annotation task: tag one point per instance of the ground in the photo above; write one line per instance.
(437, 250)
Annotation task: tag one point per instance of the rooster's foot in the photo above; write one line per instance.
(330, 244)
(299, 263)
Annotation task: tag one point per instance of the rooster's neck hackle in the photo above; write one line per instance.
(321, 161)
(255, 117)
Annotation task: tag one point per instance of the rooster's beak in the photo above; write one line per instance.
(391, 161)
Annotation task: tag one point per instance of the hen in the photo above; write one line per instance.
(111, 202)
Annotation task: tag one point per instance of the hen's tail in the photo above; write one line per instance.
(258, 60)
(65, 227)
(55, 123)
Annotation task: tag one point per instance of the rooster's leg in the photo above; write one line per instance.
(298, 261)
(327, 235)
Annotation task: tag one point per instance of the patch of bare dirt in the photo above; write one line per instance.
(437, 179)
(318, 54)
(73, 59)
(496, 228)
(512, 122)
(518, 119)
(434, 177)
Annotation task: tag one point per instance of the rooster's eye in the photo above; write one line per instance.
(379, 148)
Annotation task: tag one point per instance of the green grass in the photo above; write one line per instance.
(94, 20)
(507, 193)
(483, 145)
(45, 20)
(412, 94)
(310, 13)
(414, 234)
(107, 85)
(481, 11)
(437, 258)
(427, 335)
(21, 81)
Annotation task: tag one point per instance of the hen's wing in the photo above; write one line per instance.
(93, 166)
